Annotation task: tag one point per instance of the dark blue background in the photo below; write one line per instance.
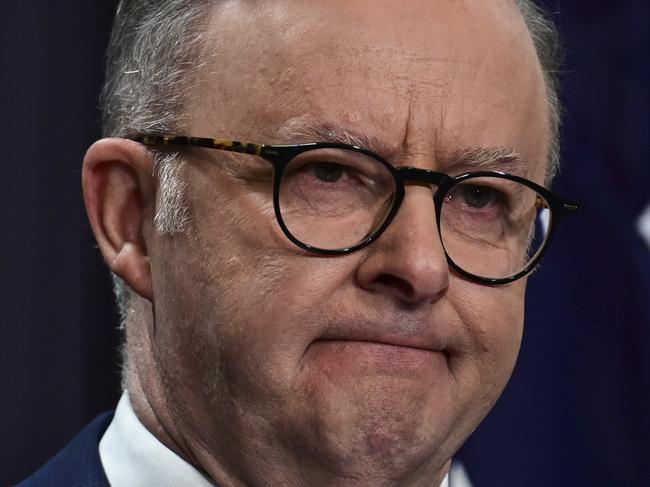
(577, 411)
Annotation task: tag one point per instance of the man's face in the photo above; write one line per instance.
(379, 363)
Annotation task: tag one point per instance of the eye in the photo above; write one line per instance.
(327, 172)
(478, 197)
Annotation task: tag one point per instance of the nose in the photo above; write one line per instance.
(408, 262)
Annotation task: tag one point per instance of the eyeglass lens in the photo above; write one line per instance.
(493, 227)
(334, 199)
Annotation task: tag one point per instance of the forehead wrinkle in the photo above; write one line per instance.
(487, 159)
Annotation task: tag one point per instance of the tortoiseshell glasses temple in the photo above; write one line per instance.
(333, 198)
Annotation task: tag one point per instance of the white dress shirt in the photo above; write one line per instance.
(133, 457)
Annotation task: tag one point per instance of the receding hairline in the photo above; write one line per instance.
(311, 129)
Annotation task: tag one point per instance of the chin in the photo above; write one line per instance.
(374, 427)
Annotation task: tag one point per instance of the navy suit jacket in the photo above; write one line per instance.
(78, 464)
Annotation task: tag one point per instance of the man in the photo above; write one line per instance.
(339, 313)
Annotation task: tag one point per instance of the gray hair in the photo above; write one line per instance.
(152, 56)
(550, 53)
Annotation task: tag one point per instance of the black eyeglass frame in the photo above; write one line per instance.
(279, 155)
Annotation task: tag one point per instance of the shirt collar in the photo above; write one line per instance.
(133, 457)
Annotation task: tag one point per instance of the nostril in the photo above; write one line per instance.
(410, 293)
(404, 288)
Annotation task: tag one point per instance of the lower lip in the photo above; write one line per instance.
(334, 356)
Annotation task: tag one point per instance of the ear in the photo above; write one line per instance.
(119, 194)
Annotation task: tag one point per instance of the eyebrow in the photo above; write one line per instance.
(486, 159)
(303, 129)
(307, 129)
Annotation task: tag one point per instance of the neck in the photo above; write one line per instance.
(276, 465)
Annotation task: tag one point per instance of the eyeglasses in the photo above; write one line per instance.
(332, 198)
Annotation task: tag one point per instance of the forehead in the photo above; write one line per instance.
(428, 77)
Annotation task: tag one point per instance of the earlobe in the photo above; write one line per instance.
(119, 196)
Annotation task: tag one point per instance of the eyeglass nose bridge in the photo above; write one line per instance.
(421, 177)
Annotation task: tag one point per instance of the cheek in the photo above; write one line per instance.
(493, 327)
(244, 294)
(277, 326)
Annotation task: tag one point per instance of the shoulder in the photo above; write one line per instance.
(78, 464)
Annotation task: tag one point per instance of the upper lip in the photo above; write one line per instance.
(425, 329)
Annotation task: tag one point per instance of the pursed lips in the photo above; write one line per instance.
(382, 342)
(418, 337)
(386, 357)
(403, 343)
